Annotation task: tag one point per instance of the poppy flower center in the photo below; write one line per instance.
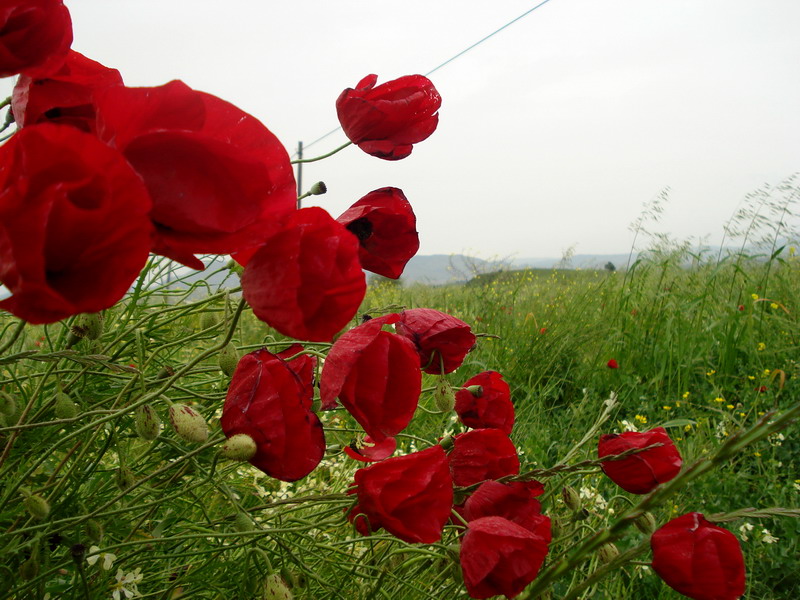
(361, 228)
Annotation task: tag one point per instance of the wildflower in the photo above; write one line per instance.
(685, 395)
(767, 537)
(126, 584)
(612, 364)
(751, 377)
(687, 427)
(754, 296)
(744, 529)
(719, 399)
(628, 426)
(667, 407)
(761, 346)
(767, 372)
(730, 406)
(641, 418)
(107, 558)
(757, 454)
(710, 373)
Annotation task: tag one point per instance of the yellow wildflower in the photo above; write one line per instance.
(719, 399)
(773, 305)
(640, 418)
(754, 296)
(761, 346)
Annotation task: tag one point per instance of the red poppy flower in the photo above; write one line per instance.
(612, 364)
(699, 559)
(304, 366)
(482, 454)
(370, 450)
(220, 181)
(501, 557)
(74, 224)
(35, 36)
(515, 501)
(267, 401)
(409, 496)
(376, 376)
(305, 280)
(640, 473)
(385, 226)
(485, 401)
(442, 341)
(385, 121)
(65, 96)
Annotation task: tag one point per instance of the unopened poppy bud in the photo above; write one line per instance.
(164, 372)
(571, 498)
(475, 390)
(275, 588)
(65, 408)
(188, 423)
(147, 422)
(227, 359)
(447, 442)
(239, 447)
(8, 406)
(646, 523)
(30, 568)
(444, 396)
(607, 553)
(94, 530)
(318, 189)
(208, 321)
(235, 267)
(243, 523)
(124, 478)
(91, 324)
(37, 506)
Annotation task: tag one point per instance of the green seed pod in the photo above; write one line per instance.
(188, 423)
(240, 447)
(89, 325)
(147, 422)
(243, 523)
(8, 406)
(208, 320)
(571, 498)
(30, 568)
(94, 530)
(37, 506)
(646, 523)
(124, 478)
(607, 553)
(227, 359)
(235, 267)
(444, 397)
(276, 589)
(164, 372)
(64, 407)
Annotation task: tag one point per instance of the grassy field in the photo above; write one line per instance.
(704, 350)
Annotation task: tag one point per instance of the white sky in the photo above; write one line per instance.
(552, 133)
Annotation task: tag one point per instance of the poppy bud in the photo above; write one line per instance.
(447, 442)
(243, 523)
(227, 359)
(124, 478)
(94, 530)
(88, 325)
(147, 422)
(235, 267)
(607, 553)
(37, 506)
(571, 498)
(239, 447)
(444, 396)
(276, 589)
(65, 408)
(188, 423)
(8, 406)
(475, 390)
(30, 568)
(318, 189)
(164, 372)
(208, 320)
(646, 523)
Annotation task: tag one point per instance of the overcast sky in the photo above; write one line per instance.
(552, 133)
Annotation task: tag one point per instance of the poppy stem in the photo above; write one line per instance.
(316, 158)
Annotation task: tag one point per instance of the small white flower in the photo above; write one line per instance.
(744, 529)
(126, 584)
(767, 537)
(628, 426)
(108, 557)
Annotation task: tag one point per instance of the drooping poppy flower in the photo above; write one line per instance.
(35, 36)
(482, 454)
(375, 374)
(267, 401)
(386, 228)
(66, 96)
(304, 366)
(74, 224)
(305, 280)
(369, 450)
(219, 179)
(442, 341)
(409, 496)
(515, 501)
(485, 401)
(385, 121)
(612, 364)
(501, 557)
(699, 559)
(640, 473)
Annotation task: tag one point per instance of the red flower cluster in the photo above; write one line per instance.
(485, 402)
(385, 121)
(35, 36)
(699, 559)
(442, 341)
(640, 473)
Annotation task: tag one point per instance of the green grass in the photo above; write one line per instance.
(689, 358)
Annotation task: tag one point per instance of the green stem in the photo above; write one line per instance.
(331, 153)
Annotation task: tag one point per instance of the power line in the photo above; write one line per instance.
(448, 61)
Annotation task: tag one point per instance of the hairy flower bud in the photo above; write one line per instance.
(188, 423)
(94, 530)
(243, 523)
(124, 478)
(275, 588)
(8, 406)
(444, 396)
(607, 553)
(37, 506)
(30, 568)
(571, 498)
(240, 447)
(89, 325)
(147, 422)
(65, 408)
(208, 320)
(164, 372)
(646, 523)
(318, 189)
(227, 359)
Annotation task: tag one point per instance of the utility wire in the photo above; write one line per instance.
(448, 61)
